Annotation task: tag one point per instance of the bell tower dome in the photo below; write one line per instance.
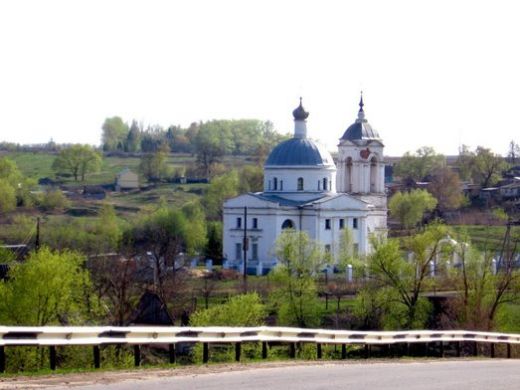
(361, 168)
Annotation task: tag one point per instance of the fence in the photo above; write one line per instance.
(12, 336)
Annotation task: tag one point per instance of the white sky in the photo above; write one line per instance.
(437, 73)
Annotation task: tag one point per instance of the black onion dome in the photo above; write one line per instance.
(299, 112)
(299, 151)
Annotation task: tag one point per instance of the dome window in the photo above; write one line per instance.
(300, 184)
(325, 184)
(275, 184)
(288, 224)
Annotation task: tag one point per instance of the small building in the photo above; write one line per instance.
(510, 191)
(127, 180)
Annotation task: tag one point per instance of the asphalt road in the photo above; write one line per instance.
(424, 375)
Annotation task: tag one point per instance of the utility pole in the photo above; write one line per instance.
(245, 244)
(37, 243)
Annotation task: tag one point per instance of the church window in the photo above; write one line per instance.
(254, 250)
(238, 251)
(356, 249)
(319, 185)
(325, 185)
(300, 184)
(373, 174)
(327, 248)
(281, 185)
(239, 223)
(275, 184)
(348, 179)
(354, 223)
(255, 223)
(327, 224)
(341, 223)
(288, 224)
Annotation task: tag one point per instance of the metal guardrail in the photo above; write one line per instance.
(49, 336)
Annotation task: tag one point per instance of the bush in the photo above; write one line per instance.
(54, 200)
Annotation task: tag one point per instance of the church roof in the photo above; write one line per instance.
(299, 151)
(361, 129)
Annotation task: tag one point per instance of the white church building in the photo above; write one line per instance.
(305, 190)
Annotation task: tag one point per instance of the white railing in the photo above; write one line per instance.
(53, 336)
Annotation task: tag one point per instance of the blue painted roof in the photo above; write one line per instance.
(361, 129)
(299, 151)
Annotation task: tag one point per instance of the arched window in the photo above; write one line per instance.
(348, 179)
(325, 184)
(300, 184)
(288, 224)
(373, 174)
(275, 184)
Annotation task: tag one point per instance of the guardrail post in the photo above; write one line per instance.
(137, 355)
(492, 350)
(292, 350)
(367, 351)
(509, 351)
(97, 356)
(2, 358)
(171, 353)
(237, 351)
(52, 357)
(441, 353)
(475, 349)
(458, 348)
(318, 351)
(343, 351)
(264, 349)
(205, 352)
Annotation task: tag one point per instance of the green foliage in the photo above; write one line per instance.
(220, 189)
(48, 288)
(13, 185)
(153, 165)
(409, 207)
(54, 200)
(482, 166)
(417, 166)
(77, 160)
(251, 179)
(300, 259)
(114, 133)
(213, 141)
(240, 310)
(406, 279)
(7, 197)
(214, 245)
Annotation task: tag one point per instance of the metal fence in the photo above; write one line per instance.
(51, 337)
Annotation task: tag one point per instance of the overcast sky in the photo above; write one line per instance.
(437, 73)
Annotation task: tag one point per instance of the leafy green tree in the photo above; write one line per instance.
(409, 207)
(48, 288)
(153, 165)
(77, 160)
(240, 310)
(513, 152)
(214, 140)
(406, 279)
(11, 176)
(54, 200)
(484, 285)
(251, 179)
(418, 166)
(214, 245)
(115, 133)
(487, 167)
(108, 230)
(7, 197)
(221, 188)
(300, 260)
(133, 139)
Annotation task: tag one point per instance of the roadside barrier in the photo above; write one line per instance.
(96, 336)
